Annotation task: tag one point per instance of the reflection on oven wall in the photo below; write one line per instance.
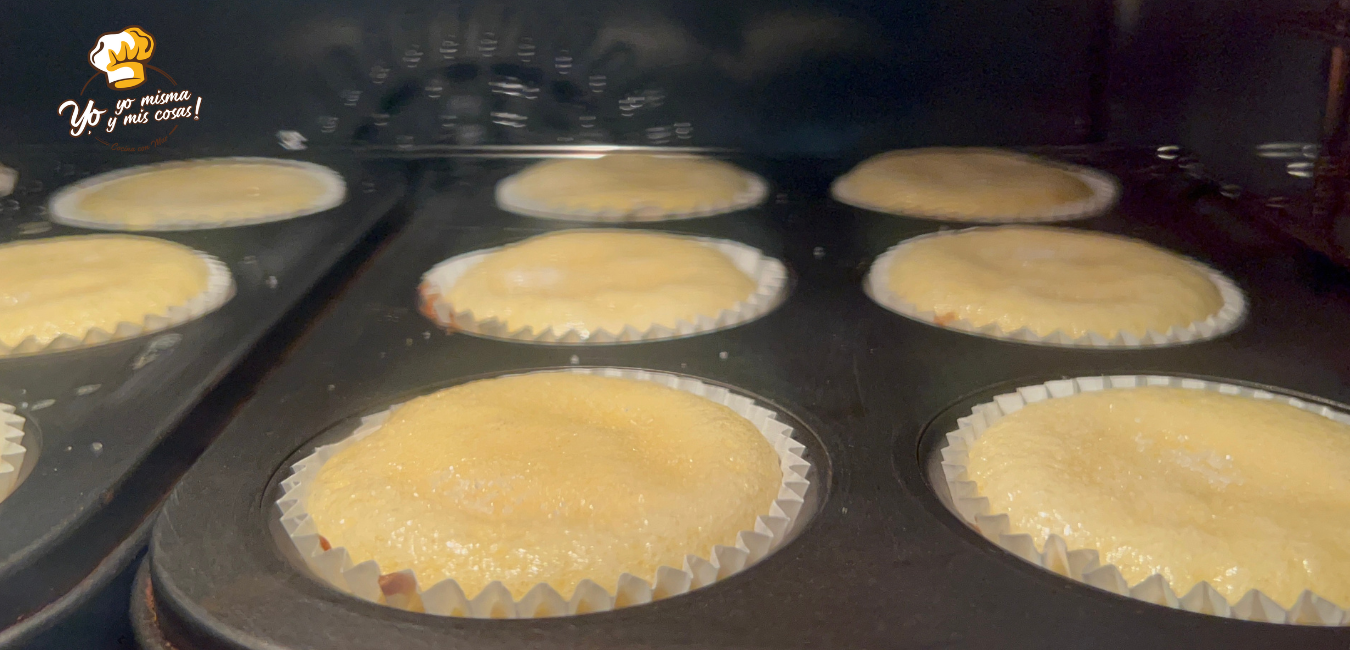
(766, 76)
(1223, 79)
(772, 76)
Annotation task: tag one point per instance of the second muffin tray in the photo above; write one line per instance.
(111, 427)
(879, 561)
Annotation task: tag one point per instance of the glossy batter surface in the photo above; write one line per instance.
(593, 280)
(629, 182)
(977, 183)
(1190, 484)
(1051, 279)
(203, 193)
(549, 477)
(70, 285)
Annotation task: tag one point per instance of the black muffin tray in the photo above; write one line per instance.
(880, 563)
(110, 428)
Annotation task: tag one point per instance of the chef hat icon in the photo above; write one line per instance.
(117, 54)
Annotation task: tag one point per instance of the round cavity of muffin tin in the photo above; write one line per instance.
(939, 466)
(400, 590)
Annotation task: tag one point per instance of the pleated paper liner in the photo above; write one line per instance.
(12, 450)
(770, 276)
(402, 589)
(64, 205)
(1226, 319)
(219, 289)
(1085, 565)
(1104, 187)
(8, 177)
(511, 200)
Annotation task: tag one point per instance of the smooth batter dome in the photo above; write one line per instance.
(1050, 279)
(594, 280)
(1190, 484)
(972, 183)
(204, 192)
(628, 183)
(71, 285)
(546, 477)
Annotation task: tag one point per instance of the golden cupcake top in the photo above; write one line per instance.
(207, 192)
(592, 280)
(957, 183)
(630, 183)
(1049, 279)
(546, 478)
(71, 285)
(1193, 485)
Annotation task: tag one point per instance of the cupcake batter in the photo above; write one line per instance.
(547, 477)
(71, 285)
(629, 183)
(1190, 484)
(1051, 279)
(594, 280)
(971, 183)
(203, 192)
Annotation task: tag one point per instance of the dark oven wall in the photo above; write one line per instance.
(1228, 80)
(772, 76)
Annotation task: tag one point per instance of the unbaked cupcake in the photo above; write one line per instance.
(67, 291)
(195, 194)
(1237, 490)
(1054, 285)
(506, 486)
(629, 187)
(603, 286)
(972, 184)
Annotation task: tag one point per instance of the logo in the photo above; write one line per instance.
(146, 120)
(118, 56)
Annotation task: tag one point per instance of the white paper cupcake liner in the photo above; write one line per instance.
(1084, 565)
(770, 276)
(1227, 319)
(511, 200)
(446, 598)
(219, 289)
(1104, 187)
(7, 179)
(64, 205)
(12, 450)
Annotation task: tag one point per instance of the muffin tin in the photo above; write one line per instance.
(881, 563)
(110, 428)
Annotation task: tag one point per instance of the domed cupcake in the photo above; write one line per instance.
(503, 490)
(974, 184)
(199, 194)
(1210, 497)
(63, 292)
(603, 286)
(1058, 286)
(630, 187)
